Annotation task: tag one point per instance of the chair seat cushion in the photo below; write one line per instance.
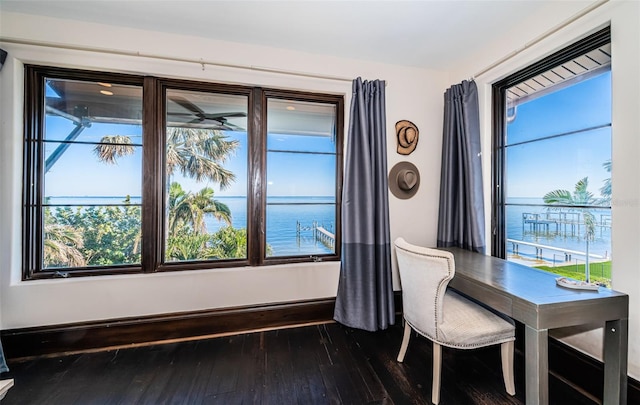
(468, 325)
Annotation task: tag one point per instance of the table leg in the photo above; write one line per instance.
(536, 366)
(616, 336)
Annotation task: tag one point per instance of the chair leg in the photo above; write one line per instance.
(506, 352)
(405, 342)
(437, 367)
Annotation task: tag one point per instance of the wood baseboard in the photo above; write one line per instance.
(579, 371)
(54, 340)
(90, 336)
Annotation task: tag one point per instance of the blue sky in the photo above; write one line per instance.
(533, 169)
(289, 173)
(79, 173)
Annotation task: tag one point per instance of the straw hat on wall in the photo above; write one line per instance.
(407, 134)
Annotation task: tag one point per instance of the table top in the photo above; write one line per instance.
(530, 295)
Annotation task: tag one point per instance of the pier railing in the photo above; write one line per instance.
(515, 245)
(320, 233)
(565, 223)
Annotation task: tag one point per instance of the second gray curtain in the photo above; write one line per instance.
(3, 362)
(461, 216)
(365, 291)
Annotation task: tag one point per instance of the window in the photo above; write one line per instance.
(132, 174)
(205, 167)
(552, 166)
(301, 168)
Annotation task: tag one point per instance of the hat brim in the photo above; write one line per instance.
(405, 145)
(393, 180)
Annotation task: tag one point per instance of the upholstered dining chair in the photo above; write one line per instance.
(445, 317)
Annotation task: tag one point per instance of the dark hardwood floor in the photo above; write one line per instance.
(323, 364)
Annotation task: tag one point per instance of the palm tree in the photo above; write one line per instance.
(582, 199)
(198, 153)
(112, 147)
(187, 209)
(61, 246)
(229, 243)
(187, 247)
(606, 189)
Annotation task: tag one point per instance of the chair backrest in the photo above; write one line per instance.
(424, 275)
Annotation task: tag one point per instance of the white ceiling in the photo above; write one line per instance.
(435, 34)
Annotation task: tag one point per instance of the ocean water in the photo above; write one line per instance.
(560, 236)
(284, 213)
(283, 216)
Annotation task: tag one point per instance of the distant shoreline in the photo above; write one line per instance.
(215, 196)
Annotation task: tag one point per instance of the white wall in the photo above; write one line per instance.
(412, 94)
(624, 18)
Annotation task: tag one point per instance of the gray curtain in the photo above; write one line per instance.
(3, 363)
(461, 216)
(365, 290)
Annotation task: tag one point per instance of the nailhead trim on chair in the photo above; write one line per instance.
(464, 324)
(444, 283)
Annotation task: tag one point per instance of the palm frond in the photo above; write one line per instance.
(582, 185)
(590, 224)
(199, 154)
(558, 197)
(187, 210)
(222, 213)
(112, 147)
(61, 246)
(204, 169)
(605, 190)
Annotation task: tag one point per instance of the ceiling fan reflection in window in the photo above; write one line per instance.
(196, 117)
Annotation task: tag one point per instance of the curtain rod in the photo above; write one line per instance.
(543, 36)
(200, 62)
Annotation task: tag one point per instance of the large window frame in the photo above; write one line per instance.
(153, 172)
(499, 121)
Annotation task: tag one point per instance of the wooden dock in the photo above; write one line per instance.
(320, 233)
(564, 223)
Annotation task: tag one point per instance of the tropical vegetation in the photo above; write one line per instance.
(102, 236)
(62, 244)
(187, 209)
(583, 201)
(111, 235)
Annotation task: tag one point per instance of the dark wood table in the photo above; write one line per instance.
(532, 297)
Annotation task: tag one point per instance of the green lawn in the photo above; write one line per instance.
(600, 272)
